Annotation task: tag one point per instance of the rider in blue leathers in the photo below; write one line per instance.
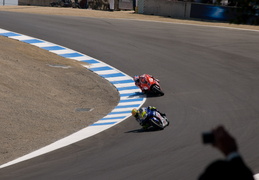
(143, 115)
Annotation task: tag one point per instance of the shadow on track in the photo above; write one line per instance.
(151, 129)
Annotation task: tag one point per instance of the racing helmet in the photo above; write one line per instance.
(136, 78)
(134, 112)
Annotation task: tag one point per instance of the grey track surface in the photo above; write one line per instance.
(210, 76)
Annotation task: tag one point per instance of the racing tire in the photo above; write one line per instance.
(156, 89)
(157, 125)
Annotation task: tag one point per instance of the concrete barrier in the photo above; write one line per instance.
(186, 10)
(125, 4)
(169, 8)
(8, 2)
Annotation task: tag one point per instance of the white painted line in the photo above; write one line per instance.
(118, 115)
(122, 109)
(81, 58)
(66, 51)
(127, 103)
(4, 31)
(97, 65)
(124, 85)
(106, 72)
(118, 78)
(133, 97)
(130, 91)
(20, 38)
(44, 44)
(73, 138)
(106, 122)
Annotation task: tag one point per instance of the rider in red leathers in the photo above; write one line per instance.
(141, 81)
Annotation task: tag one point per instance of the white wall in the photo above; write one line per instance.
(8, 2)
(171, 8)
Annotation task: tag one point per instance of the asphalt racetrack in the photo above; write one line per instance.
(210, 76)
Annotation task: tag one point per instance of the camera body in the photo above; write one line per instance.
(208, 138)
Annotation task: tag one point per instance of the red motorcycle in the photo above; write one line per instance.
(148, 84)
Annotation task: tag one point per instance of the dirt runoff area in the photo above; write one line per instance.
(43, 96)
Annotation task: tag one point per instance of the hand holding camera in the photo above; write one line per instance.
(220, 139)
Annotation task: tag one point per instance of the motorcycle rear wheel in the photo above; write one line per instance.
(157, 125)
(156, 89)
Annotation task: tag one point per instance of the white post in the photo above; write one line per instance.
(111, 2)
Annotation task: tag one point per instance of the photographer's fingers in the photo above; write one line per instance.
(224, 141)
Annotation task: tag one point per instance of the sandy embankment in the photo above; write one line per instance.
(39, 103)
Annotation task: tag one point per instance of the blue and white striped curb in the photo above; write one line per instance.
(130, 96)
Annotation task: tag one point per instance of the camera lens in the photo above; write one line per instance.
(207, 138)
